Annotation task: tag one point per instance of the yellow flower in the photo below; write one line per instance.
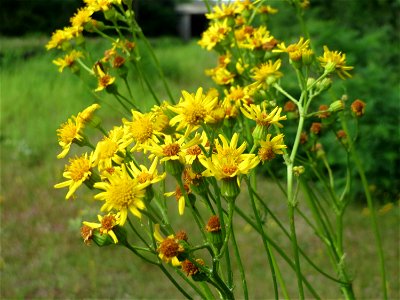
(260, 38)
(159, 117)
(122, 193)
(62, 35)
(77, 172)
(141, 129)
(180, 197)
(238, 95)
(335, 60)
(266, 9)
(194, 152)
(100, 5)
(68, 133)
(86, 115)
(81, 17)
(296, 51)
(173, 149)
(104, 80)
(193, 110)
(221, 75)
(106, 225)
(229, 161)
(169, 248)
(214, 35)
(68, 60)
(145, 175)
(270, 147)
(300, 45)
(267, 73)
(259, 114)
(223, 11)
(111, 149)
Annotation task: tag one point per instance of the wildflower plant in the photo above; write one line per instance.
(213, 145)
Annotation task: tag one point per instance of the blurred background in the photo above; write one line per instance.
(42, 255)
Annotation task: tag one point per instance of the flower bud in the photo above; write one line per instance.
(298, 170)
(310, 82)
(214, 233)
(174, 167)
(230, 188)
(102, 239)
(358, 108)
(337, 105)
(324, 84)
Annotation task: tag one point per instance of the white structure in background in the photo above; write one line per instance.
(186, 12)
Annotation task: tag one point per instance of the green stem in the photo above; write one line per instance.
(240, 265)
(282, 91)
(176, 284)
(374, 221)
(156, 61)
(265, 242)
(279, 250)
(140, 255)
(278, 222)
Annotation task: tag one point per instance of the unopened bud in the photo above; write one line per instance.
(230, 188)
(337, 105)
(298, 170)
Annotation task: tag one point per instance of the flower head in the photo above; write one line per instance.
(122, 193)
(229, 161)
(144, 174)
(86, 115)
(267, 73)
(223, 11)
(111, 149)
(214, 34)
(169, 248)
(141, 129)
(81, 17)
(104, 80)
(193, 110)
(106, 225)
(69, 132)
(180, 197)
(68, 60)
(77, 172)
(335, 60)
(358, 107)
(270, 147)
(172, 148)
(260, 114)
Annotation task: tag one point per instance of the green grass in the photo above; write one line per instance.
(42, 255)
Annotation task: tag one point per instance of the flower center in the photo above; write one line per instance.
(122, 194)
(142, 130)
(108, 222)
(229, 169)
(107, 148)
(169, 248)
(68, 133)
(79, 168)
(195, 114)
(266, 152)
(171, 149)
(143, 177)
(194, 150)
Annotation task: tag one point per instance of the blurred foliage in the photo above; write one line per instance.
(369, 33)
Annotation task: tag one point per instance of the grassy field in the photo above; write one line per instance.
(42, 254)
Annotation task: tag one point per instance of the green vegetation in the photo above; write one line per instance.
(43, 255)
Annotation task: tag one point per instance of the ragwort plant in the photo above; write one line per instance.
(211, 143)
